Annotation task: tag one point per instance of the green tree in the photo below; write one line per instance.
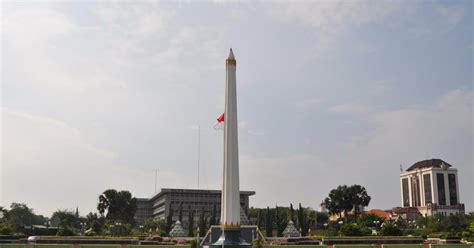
(321, 218)
(202, 223)
(269, 224)
(369, 220)
(359, 197)
(390, 229)
(260, 218)
(190, 222)
(302, 221)
(95, 222)
(343, 199)
(151, 224)
(169, 221)
(213, 218)
(69, 222)
(20, 215)
(292, 213)
(180, 212)
(352, 229)
(118, 206)
(280, 222)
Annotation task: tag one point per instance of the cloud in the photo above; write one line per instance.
(350, 108)
(442, 129)
(325, 20)
(450, 16)
(54, 160)
(372, 159)
(302, 103)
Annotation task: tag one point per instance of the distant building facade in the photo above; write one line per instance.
(160, 205)
(432, 187)
(144, 210)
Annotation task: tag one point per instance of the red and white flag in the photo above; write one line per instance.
(220, 122)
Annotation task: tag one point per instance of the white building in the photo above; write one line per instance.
(431, 186)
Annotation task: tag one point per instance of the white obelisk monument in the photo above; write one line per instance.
(230, 201)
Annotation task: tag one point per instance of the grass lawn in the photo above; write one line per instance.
(354, 246)
(403, 246)
(452, 246)
(159, 246)
(52, 246)
(12, 245)
(295, 246)
(99, 246)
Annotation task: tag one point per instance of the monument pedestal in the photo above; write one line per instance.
(230, 239)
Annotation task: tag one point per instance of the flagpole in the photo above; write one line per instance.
(156, 177)
(199, 154)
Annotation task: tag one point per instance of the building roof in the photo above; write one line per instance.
(429, 163)
(195, 191)
(406, 210)
(380, 213)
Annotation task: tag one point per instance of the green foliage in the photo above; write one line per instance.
(94, 223)
(302, 221)
(202, 224)
(193, 243)
(292, 213)
(353, 229)
(213, 218)
(119, 205)
(180, 212)
(269, 224)
(190, 222)
(369, 220)
(344, 199)
(390, 229)
(280, 221)
(169, 221)
(6, 229)
(258, 242)
(68, 222)
(454, 224)
(65, 231)
(20, 215)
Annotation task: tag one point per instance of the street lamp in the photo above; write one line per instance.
(326, 227)
(119, 226)
(340, 225)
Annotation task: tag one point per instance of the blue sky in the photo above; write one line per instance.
(98, 95)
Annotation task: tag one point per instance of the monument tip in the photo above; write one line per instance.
(231, 54)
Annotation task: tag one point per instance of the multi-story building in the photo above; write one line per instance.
(143, 210)
(432, 187)
(183, 200)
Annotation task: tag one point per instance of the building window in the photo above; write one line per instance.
(453, 196)
(441, 189)
(427, 187)
(405, 196)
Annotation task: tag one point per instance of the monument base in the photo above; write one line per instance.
(230, 239)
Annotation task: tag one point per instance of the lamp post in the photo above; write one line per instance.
(327, 233)
(340, 225)
(82, 228)
(197, 237)
(119, 226)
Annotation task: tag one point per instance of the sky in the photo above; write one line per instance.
(99, 95)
